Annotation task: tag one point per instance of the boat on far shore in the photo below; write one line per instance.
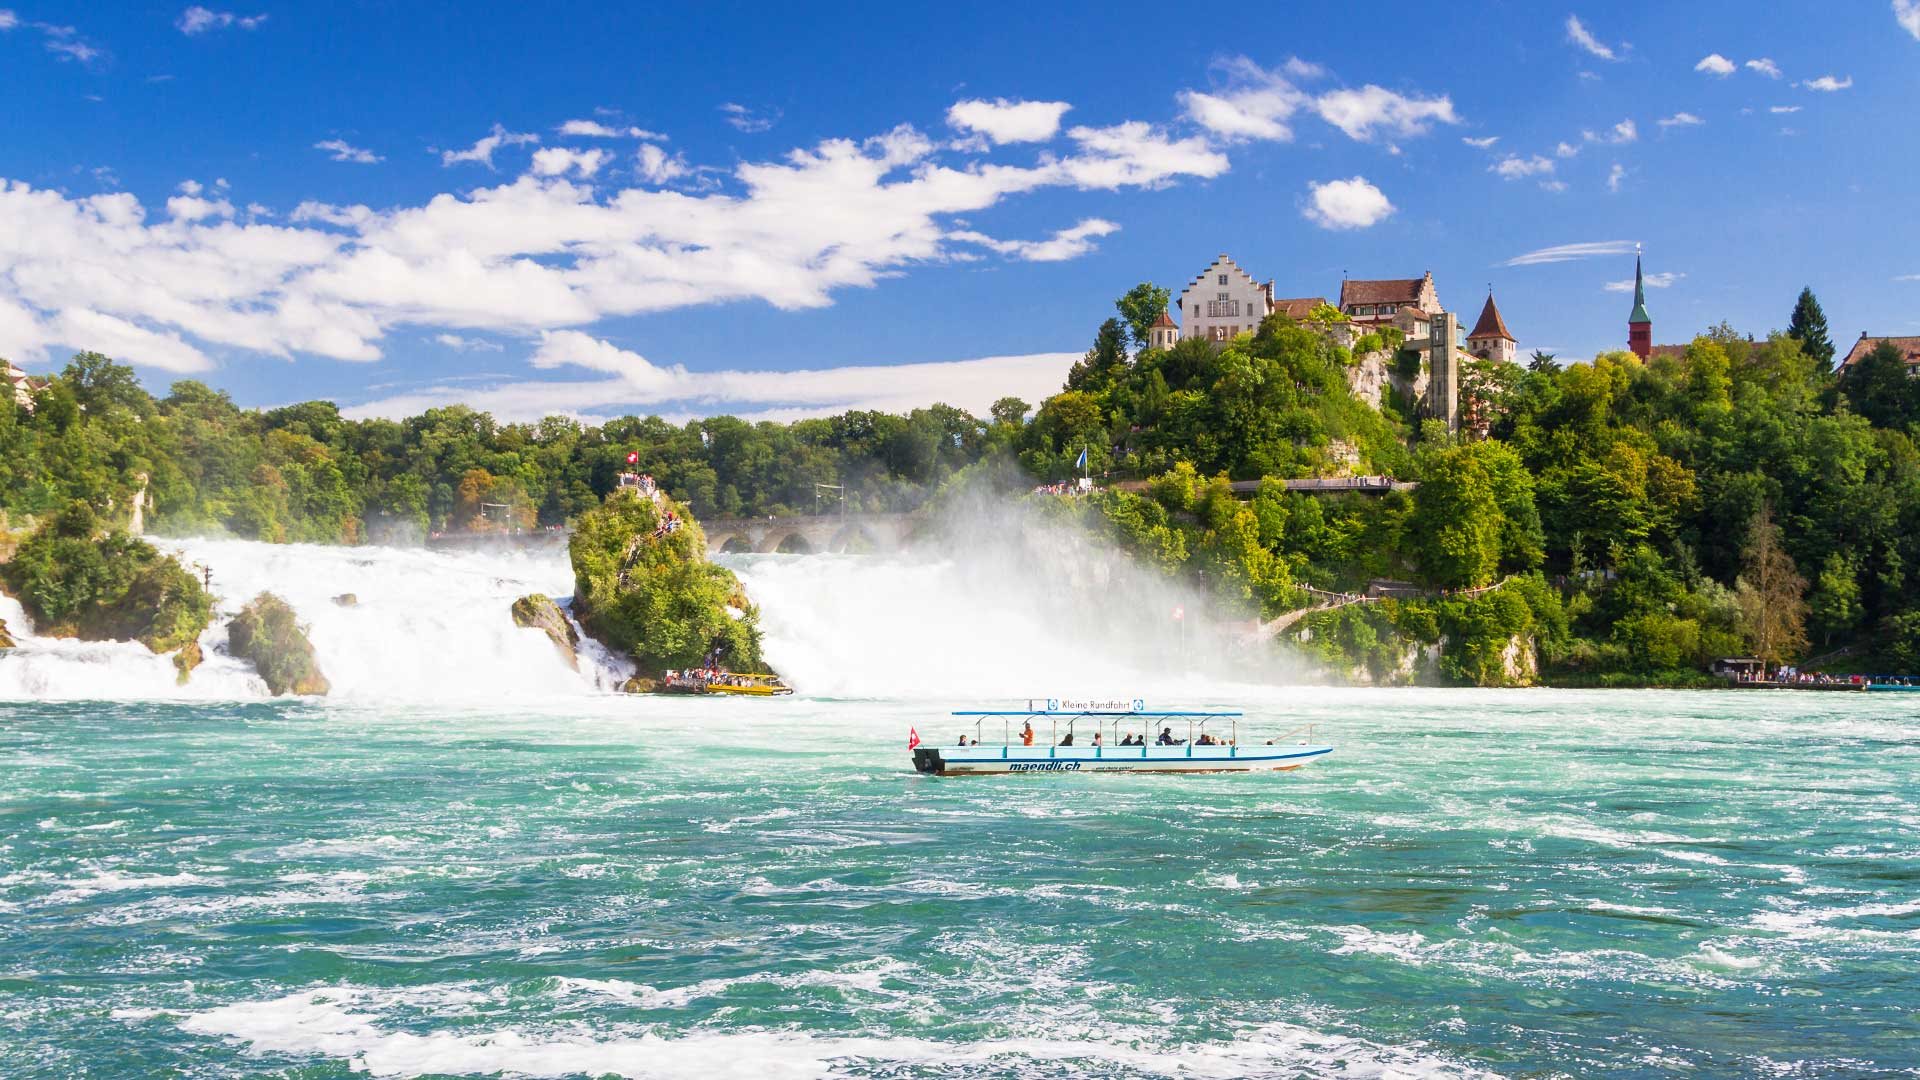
(1092, 738)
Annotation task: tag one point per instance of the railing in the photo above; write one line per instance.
(1223, 309)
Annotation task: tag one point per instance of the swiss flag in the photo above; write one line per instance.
(913, 737)
(633, 457)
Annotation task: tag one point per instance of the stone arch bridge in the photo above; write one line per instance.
(807, 535)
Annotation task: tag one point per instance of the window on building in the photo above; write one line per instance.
(1222, 297)
(1223, 281)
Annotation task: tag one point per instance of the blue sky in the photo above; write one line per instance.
(600, 209)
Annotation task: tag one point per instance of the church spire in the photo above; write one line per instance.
(1639, 295)
(1639, 324)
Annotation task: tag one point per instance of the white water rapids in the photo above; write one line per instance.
(431, 625)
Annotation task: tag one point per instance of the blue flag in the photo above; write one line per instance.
(1082, 463)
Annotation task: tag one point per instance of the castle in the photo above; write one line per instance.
(1225, 301)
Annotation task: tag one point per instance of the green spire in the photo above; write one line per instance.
(1639, 297)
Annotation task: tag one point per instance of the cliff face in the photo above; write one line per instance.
(643, 586)
(538, 612)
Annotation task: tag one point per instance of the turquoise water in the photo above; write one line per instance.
(1476, 883)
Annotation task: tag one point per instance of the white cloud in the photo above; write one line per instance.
(1514, 167)
(1565, 150)
(1555, 186)
(8, 20)
(1372, 109)
(341, 150)
(594, 129)
(1779, 110)
(639, 385)
(1908, 277)
(83, 328)
(65, 42)
(1256, 103)
(1681, 119)
(1654, 281)
(1578, 33)
(1764, 66)
(1481, 143)
(1006, 121)
(1590, 249)
(1614, 176)
(1715, 64)
(467, 344)
(1828, 84)
(1066, 244)
(654, 166)
(1259, 104)
(538, 253)
(1346, 204)
(1907, 14)
(482, 150)
(747, 120)
(560, 160)
(1623, 132)
(199, 20)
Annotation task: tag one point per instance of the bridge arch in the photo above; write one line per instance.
(794, 542)
(732, 544)
(853, 540)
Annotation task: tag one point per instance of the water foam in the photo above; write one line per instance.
(343, 1024)
(426, 626)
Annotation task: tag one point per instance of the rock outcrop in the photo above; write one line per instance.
(643, 586)
(347, 599)
(267, 634)
(539, 612)
(75, 580)
(6, 639)
(186, 660)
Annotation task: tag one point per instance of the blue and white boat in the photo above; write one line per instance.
(1109, 737)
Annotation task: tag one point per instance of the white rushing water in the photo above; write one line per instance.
(1034, 613)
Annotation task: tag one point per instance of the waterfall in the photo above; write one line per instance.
(1028, 612)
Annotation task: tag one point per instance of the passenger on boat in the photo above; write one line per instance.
(1068, 741)
(1096, 738)
(1166, 737)
(1026, 734)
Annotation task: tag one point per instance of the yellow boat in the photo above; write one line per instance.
(750, 684)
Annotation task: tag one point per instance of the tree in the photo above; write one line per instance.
(1878, 387)
(1141, 308)
(1835, 606)
(1771, 593)
(1109, 354)
(1542, 361)
(1010, 411)
(1808, 326)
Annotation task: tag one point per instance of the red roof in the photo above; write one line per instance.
(1491, 325)
(1163, 320)
(1395, 291)
(1908, 346)
(1298, 308)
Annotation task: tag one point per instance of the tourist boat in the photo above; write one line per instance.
(747, 684)
(1155, 742)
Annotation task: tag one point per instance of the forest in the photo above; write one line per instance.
(1634, 520)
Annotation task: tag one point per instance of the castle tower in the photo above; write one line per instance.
(1443, 368)
(1162, 334)
(1490, 339)
(1639, 324)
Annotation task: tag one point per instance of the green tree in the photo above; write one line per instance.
(1808, 326)
(1542, 362)
(1835, 605)
(1878, 387)
(1010, 411)
(1141, 307)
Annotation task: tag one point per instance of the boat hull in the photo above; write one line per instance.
(1003, 760)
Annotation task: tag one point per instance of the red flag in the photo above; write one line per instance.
(633, 457)
(913, 737)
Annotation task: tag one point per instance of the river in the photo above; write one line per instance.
(476, 862)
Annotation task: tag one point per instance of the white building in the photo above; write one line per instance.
(19, 382)
(1224, 302)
